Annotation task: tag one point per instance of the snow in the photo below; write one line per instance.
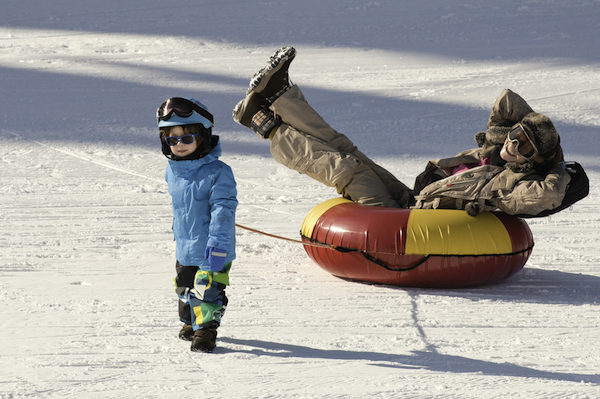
(86, 250)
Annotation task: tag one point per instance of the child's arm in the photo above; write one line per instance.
(223, 203)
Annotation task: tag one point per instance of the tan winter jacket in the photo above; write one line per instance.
(492, 187)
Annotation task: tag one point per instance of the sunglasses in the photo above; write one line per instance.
(525, 146)
(181, 107)
(174, 140)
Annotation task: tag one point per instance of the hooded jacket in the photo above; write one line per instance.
(513, 190)
(491, 187)
(204, 202)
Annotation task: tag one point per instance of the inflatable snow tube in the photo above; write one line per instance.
(436, 248)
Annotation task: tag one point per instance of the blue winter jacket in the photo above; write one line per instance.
(204, 201)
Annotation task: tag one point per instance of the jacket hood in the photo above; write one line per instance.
(508, 110)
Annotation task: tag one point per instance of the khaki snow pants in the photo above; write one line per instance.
(307, 144)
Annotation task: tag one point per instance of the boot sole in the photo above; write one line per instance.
(282, 57)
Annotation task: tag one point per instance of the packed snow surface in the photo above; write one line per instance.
(86, 248)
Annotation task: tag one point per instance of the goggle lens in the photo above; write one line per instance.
(181, 107)
(525, 146)
(178, 106)
(174, 140)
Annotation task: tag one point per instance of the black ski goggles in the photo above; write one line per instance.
(525, 146)
(181, 107)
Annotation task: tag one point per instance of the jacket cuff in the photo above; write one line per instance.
(217, 244)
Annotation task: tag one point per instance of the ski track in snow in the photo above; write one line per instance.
(86, 250)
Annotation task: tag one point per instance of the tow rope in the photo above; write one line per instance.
(314, 243)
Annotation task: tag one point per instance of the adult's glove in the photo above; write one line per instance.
(216, 258)
(473, 208)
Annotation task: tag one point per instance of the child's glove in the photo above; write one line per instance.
(216, 258)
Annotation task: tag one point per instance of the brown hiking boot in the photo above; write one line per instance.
(273, 78)
(204, 340)
(186, 333)
(247, 108)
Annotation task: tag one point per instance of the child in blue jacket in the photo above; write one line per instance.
(203, 192)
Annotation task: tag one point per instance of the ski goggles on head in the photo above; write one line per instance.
(525, 146)
(183, 108)
(174, 140)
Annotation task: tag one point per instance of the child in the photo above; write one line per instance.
(517, 169)
(203, 192)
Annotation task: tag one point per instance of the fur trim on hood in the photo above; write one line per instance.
(510, 109)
